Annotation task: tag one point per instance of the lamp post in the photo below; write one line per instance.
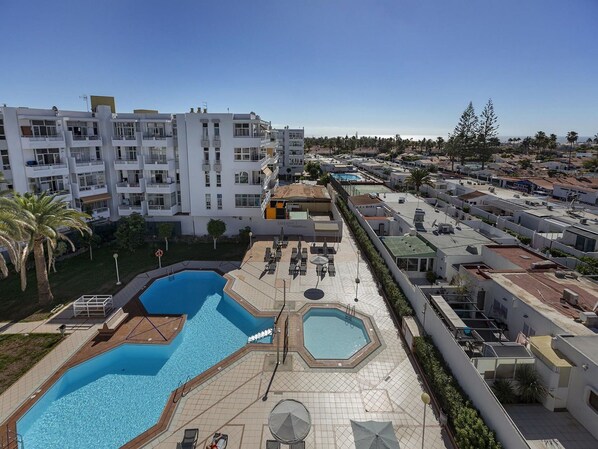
(115, 255)
(425, 397)
(357, 281)
(250, 239)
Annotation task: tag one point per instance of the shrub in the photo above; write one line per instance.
(130, 234)
(530, 386)
(504, 391)
(470, 430)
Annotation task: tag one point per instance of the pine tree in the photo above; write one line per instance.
(466, 133)
(488, 130)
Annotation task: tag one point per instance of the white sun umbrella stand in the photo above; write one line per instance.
(289, 421)
(374, 435)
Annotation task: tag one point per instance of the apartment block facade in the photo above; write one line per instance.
(291, 149)
(187, 167)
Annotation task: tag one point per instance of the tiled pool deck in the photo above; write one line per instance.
(383, 386)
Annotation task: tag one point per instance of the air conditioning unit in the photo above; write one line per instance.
(401, 200)
(570, 297)
(445, 228)
(589, 319)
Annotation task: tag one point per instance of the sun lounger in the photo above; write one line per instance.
(303, 270)
(268, 254)
(271, 267)
(298, 445)
(278, 254)
(272, 444)
(331, 270)
(219, 441)
(292, 267)
(189, 439)
(294, 254)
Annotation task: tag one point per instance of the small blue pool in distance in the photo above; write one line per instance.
(110, 399)
(332, 334)
(347, 177)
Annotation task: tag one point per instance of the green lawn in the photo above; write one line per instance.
(78, 275)
(18, 353)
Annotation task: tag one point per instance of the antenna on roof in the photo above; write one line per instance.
(85, 98)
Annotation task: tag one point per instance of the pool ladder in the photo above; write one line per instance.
(182, 392)
(13, 440)
(350, 310)
(170, 273)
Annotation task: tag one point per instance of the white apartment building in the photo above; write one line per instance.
(186, 167)
(291, 149)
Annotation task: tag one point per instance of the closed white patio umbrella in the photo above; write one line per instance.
(289, 421)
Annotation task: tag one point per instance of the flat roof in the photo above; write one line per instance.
(517, 255)
(363, 200)
(407, 246)
(543, 291)
(541, 346)
(587, 345)
(301, 191)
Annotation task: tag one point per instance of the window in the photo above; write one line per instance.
(4, 160)
(208, 200)
(245, 200)
(206, 155)
(499, 310)
(47, 156)
(204, 133)
(218, 180)
(247, 154)
(412, 264)
(219, 200)
(124, 130)
(44, 128)
(207, 178)
(218, 154)
(593, 401)
(2, 133)
(241, 130)
(528, 331)
(216, 129)
(242, 178)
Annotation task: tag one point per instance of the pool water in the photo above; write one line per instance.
(347, 177)
(332, 334)
(110, 399)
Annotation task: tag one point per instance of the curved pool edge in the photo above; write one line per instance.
(9, 426)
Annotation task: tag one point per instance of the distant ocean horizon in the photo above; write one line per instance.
(560, 139)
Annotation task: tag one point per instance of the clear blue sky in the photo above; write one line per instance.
(333, 67)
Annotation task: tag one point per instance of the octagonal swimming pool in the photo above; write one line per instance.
(331, 334)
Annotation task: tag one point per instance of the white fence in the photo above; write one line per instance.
(93, 305)
(460, 364)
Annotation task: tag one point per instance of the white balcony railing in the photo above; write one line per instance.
(90, 137)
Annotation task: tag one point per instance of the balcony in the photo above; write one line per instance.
(128, 164)
(217, 166)
(206, 166)
(158, 163)
(266, 201)
(129, 140)
(160, 187)
(156, 140)
(216, 142)
(205, 141)
(90, 166)
(162, 210)
(47, 141)
(34, 170)
(85, 191)
(131, 187)
(100, 213)
(75, 140)
(128, 209)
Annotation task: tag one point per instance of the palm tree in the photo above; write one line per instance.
(571, 138)
(530, 387)
(43, 219)
(11, 235)
(419, 177)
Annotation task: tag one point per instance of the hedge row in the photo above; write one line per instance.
(470, 430)
(381, 271)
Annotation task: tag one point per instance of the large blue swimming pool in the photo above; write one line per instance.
(108, 400)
